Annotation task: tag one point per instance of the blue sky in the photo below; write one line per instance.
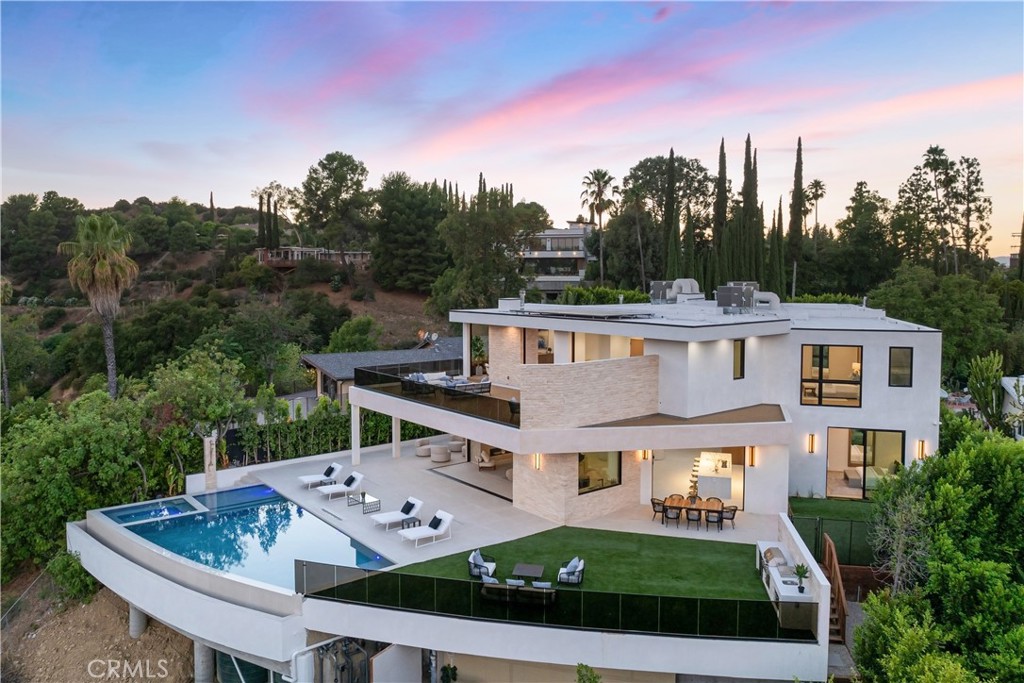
(104, 101)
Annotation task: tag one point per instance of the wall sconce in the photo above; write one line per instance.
(645, 454)
(920, 449)
(856, 369)
(810, 443)
(750, 456)
(536, 461)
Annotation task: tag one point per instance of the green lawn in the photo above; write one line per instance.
(856, 510)
(623, 563)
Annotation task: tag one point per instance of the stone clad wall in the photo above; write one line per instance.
(552, 491)
(578, 394)
(505, 355)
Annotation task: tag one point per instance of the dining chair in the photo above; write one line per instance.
(658, 505)
(729, 513)
(715, 499)
(693, 515)
(693, 500)
(671, 513)
(712, 517)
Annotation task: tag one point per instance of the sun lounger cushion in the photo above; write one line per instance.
(435, 522)
(407, 508)
(329, 471)
(488, 579)
(573, 565)
(350, 480)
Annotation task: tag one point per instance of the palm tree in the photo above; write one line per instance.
(814, 192)
(101, 269)
(597, 196)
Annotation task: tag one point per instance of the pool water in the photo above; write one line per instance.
(256, 533)
(156, 509)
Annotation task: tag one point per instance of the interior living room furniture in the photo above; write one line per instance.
(438, 529)
(354, 482)
(874, 474)
(410, 508)
(328, 477)
(853, 477)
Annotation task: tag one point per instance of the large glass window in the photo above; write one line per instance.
(859, 459)
(901, 366)
(830, 375)
(599, 470)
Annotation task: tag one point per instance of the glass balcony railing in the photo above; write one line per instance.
(562, 606)
(469, 399)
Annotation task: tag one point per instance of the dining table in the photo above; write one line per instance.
(679, 501)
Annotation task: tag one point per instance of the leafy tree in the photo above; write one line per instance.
(257, 276)
(56, 466)
(324, 317)
(182, 238)
(361, 333)
(26, 363)
(970, 318)
(334, 202)
(407, 251)
(161, 332)
(597, 196)
(863, 235)
(485, 238)
(634, 203)
(255, 334)
(201, 391)
(150, 234)
(99, 267)
(794, 238)
(177, 210)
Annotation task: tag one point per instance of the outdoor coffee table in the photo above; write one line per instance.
(410, 522)
(369, 503)
(528, 571)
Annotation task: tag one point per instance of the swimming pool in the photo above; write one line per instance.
(252, 532)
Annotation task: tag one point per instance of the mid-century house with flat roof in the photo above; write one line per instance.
(557, 258)
(742, 401)
(336, 372)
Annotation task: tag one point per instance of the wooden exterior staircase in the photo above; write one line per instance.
(838, 611)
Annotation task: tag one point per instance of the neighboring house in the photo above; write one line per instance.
(557, 258)
(286, 258)
(805, 399)
(1013, 393)
(336, 372)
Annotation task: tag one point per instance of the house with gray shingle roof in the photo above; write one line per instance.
(335, 372)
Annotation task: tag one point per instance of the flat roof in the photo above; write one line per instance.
(342, 366)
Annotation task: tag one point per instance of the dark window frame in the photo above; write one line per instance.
(910, 365)
(819, 362)
(739, 346)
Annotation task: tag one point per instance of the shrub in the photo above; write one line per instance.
(50, 317)
(181, 284)
(310, 271)
(67, 327)
(70, 576)
(337, 282)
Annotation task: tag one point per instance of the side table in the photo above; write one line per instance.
(410, 522)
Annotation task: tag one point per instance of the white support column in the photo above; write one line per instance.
(356, 437)
(204, 661)
(137, 621)
(467, 339)
(396, 437)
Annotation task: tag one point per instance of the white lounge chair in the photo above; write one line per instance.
(329, 476)
(353, 483)
(438, 529)
(410, 509)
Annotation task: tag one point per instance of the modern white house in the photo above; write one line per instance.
(557, 258)
(602, 408)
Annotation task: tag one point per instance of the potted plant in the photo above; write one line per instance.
(801, 571)
(449, 673)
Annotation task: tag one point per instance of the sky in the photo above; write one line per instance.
(117, 100)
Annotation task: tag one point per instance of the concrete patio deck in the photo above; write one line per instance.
(481, 518)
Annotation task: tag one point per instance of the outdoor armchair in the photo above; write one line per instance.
(571, 572)
(480, 564)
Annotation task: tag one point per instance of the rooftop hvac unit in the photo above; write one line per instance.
(735, 298)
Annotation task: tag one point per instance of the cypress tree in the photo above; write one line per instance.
(673, 250)
(1020, 255)
(277, 227)
(261, 231)
(772, 276)
(689, 247)
(794, 239)
(720, 268)
(780, 256)
(213, 209)
(744, 236)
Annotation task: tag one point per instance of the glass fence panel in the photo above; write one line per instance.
(600, 610)
(417, 592)
(384, 589)
(640, 612)
(807, 527)
(839, 530)
(679, 616)
(455, 596)
(718, 618)
(757, 620)
(567, 607)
